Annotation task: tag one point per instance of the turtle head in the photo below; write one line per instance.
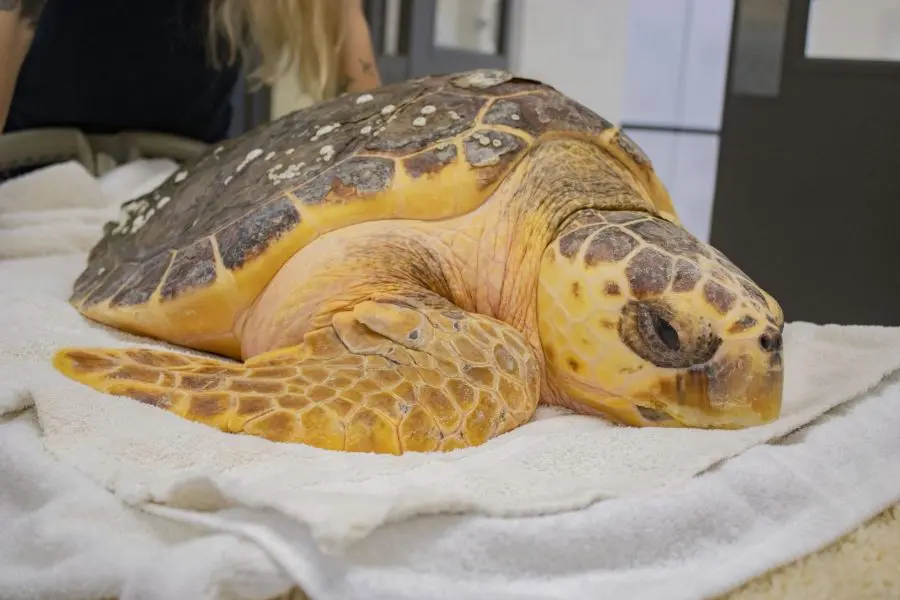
(643, 323)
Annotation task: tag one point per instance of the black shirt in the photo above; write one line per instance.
(110, 65)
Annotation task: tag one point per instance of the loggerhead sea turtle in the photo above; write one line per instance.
(415, 269)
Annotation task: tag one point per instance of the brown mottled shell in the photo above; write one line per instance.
(244, 207)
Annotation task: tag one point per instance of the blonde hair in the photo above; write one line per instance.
(281, 36)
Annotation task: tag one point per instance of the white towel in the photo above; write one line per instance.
(156, 461)
(60, 209)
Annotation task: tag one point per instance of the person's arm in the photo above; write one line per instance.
(18, 19)
(358, 60)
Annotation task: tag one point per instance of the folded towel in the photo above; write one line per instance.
(296, 501)
(61, 209)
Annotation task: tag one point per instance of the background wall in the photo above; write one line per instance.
(677, 60)
(579, 46)
(542, 33)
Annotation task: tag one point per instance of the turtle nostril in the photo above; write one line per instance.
(770, 341)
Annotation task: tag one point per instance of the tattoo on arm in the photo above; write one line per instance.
(31, 9)
(367, 67)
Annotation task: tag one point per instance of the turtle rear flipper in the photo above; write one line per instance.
(386, 377)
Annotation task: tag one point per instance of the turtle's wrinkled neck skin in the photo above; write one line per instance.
(496, 251)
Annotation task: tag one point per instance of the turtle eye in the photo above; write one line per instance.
(648, 328)
(666, 333)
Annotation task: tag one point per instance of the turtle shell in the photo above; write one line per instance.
(184, 260)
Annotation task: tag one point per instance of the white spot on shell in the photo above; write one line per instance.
(515, 116)
(289, 151)
(163, 202)
(482, 79)
(327, 152)
(455, 115)
(366, 130)
(179, 176)
(227, 180)
(325, 130)
(251, 156)
(419, 122)
(129, 211)
(496, 143)
(270, 156)
(428, 109)
(364, 98)
(101, 270)
(218, 149)
(388, 109)
(290, 172)
(141, 220)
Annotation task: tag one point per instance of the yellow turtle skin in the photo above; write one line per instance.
(416, 269)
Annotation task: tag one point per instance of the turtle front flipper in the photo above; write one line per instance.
(387, 376)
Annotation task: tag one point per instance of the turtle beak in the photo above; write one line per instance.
(741, 387)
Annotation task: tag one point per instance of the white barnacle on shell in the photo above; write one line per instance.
(270, 156)
(163, 202)
(388, 109)
(130, 210)
(140, 220)
(290, 172)
(325, 130)
(218, 149)
(428, 109)
(251, 156)
(515, 116)
(101, 270)
(483, 139)
(327, 152)
(366, 130)
(180, 176)
(419, 122)
(363, 98)
(454, 115)
(482, 79)
(289, 151)
(227, 180)
(496, 143)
